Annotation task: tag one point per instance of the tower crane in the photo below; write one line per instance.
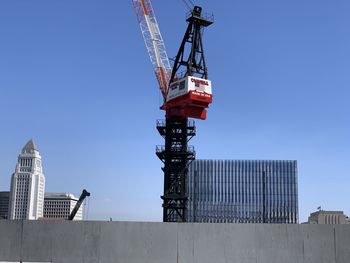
(186, 93)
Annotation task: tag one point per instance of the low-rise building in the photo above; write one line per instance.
(328, 217)
(60, 205)
(4, 204)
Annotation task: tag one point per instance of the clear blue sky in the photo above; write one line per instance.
(75, 77)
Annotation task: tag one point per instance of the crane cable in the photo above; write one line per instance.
(86, 208)
(189, 4)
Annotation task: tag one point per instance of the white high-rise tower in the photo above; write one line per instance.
(27, 185)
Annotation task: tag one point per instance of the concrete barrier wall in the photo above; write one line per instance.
(131, 242)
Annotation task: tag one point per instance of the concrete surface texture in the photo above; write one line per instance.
(132, 242)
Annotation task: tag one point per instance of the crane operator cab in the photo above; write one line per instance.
(190, 96)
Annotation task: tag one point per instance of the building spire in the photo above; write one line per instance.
(29, 147)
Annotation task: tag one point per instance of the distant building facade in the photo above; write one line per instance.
(60, 205)
(242, 191)
(27, 185)
(4, 204)
(328, 218)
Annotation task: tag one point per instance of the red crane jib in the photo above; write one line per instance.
(191, 105)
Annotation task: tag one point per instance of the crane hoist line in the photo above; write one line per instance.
(187, 93)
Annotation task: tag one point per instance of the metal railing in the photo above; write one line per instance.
(204, 15)
(162, 123)
(189, 149)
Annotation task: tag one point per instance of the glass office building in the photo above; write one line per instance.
(242, 191)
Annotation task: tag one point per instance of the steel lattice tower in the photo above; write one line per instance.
(177, 130)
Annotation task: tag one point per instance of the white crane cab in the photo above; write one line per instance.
(195, 86)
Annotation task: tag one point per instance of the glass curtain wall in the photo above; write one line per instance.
(242, 191)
